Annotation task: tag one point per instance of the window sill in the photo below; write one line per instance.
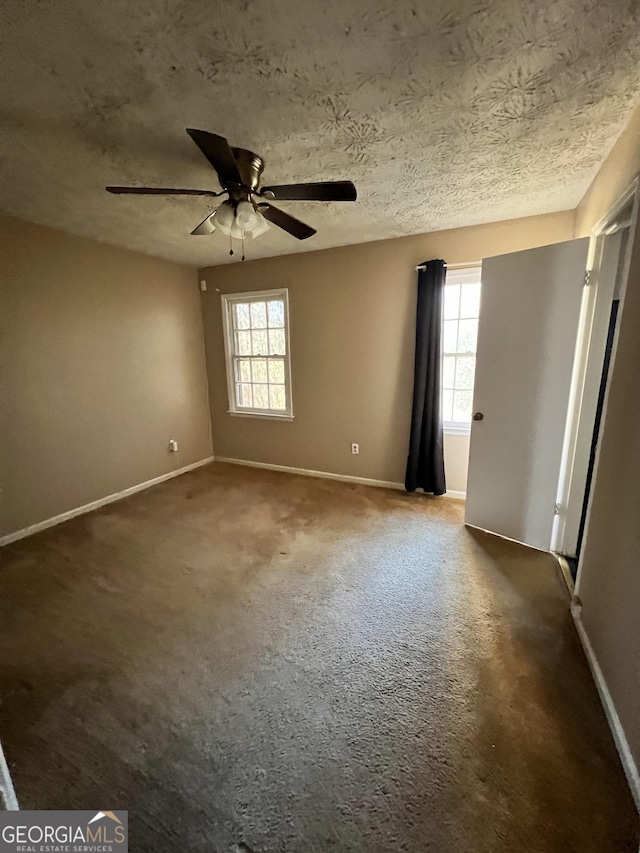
(262, 415)
(457, 429)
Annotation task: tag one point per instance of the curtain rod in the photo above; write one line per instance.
(468, 265)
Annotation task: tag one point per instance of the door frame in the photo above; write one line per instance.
(579, 428)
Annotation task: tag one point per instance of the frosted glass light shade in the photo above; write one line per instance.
(246, 217)
(261, 226)
(224, 217)
(241, 220)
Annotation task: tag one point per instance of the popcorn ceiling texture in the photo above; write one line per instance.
(444, 114)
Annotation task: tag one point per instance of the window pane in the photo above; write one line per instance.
(259, 369)
(465, 369)
(258, 315)
(243, 343)
(243, 370)
(470, 300)
(447, 405)
(257, 349)
(450, 339)
(448, 371)
(462, 403)
(451, 301)
(276, 342)
(276, 370)
(259, 343)
(243, 396)
(261, 396)
(467, 335)
(276, 312)
(241, 315)
(277, 397)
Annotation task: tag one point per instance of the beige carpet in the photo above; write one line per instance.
(255, 661)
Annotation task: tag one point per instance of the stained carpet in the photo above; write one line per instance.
(252, 661)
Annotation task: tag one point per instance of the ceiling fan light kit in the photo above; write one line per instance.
(245, 213)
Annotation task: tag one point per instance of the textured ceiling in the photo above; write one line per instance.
(443, 113)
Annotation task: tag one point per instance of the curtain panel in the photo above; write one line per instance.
(425, 463)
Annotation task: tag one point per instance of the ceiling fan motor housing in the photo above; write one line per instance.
(250, 167)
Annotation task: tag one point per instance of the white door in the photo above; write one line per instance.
(527, 332)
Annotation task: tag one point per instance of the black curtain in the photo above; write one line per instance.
(425, 465)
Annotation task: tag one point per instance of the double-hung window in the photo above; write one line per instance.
(256, 327)
(460, 335)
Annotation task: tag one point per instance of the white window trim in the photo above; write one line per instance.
(228, 301)
(458, 427)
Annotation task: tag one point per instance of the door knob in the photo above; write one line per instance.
(478, 416)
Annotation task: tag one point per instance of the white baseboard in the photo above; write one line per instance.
(307, 472)
(326, 475)
(565, 571)
(9, 801)
(72, 513)
(622, 744)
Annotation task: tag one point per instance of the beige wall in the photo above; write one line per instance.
(622, 164)
(102, 363)
(609, 582)
(352, 340)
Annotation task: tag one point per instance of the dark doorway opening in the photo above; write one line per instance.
(613, 317)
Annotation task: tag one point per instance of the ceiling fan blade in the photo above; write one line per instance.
(322, 191)
(159, 191)
(286, 222)
(205, 227)
(218, 152)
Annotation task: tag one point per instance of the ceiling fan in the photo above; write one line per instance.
(245, 212)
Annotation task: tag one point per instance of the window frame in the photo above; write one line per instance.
(228, 301)
(461, 427)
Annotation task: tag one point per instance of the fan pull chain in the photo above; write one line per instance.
(243, 245)
(230, 244)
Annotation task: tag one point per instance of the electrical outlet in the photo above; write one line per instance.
(355, 448)
(173, 445)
